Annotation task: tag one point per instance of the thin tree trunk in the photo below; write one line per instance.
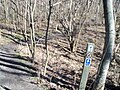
(46, 37)
(6, 10)
(33, 43)
(25, 28)
(108, 47)
(70, 27)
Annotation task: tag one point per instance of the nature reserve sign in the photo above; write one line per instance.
(87, 62)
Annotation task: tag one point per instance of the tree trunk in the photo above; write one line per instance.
(46, 38)
(33, 42)
(6, 10)
(108, 46)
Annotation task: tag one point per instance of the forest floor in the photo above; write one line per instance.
(64, 68)
(16, 72)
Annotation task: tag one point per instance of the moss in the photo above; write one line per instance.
(41, 33)
(4, 40)
(20, 37)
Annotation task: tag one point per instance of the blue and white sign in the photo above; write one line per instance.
(87, 62)
(90, 48)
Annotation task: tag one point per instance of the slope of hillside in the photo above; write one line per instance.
(64, 68)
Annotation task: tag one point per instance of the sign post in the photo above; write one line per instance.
(87, 62)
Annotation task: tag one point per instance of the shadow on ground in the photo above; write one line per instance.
(16, 63)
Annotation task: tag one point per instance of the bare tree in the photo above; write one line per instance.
(46, 36)
(108, 46)
(33, 43)
(72, 20)
(5, 6)
(28, 18)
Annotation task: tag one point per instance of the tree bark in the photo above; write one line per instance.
(33, 42)
(108, 46)
(46, 37)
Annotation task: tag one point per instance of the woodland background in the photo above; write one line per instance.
(53, 34)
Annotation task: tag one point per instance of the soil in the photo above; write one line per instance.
(64, 68)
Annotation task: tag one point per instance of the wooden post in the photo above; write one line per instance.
(87, 62)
